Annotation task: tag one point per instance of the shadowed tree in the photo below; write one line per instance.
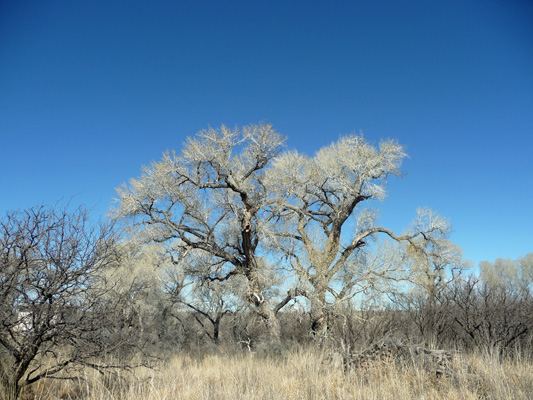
(57, 310)
(492, 317)
(209, 301)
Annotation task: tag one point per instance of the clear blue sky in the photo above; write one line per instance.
(91, 90)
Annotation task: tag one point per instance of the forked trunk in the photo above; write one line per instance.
(271, 322)
(255, 297)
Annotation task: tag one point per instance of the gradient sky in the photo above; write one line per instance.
(92, 90)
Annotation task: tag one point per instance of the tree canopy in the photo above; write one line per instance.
(232, 204)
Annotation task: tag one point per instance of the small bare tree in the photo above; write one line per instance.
(57, 310)
(208, 301)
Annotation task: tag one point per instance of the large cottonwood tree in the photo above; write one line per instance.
(323, 225)
(208, 202)
(231, 198)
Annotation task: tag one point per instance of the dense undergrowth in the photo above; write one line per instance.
(298, 373)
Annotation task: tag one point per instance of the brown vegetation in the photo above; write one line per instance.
(298, 374)
(241, 276)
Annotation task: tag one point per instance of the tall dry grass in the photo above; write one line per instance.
(298, 374)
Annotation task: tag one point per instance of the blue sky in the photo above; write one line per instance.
(92, 90)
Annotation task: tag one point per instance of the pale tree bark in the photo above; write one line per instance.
(434, 265)
(324, 228)
(209, 201)
(229, 196)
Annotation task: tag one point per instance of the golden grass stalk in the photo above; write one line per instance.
(298, 374)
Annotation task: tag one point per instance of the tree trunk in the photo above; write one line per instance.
(255, 296)
(216, 330)
(263, 309)
(319, 317)
(271, 322)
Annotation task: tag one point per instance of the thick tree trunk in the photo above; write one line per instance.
(271, 322)
(263, 309)
(255, 296)
(319, 317)
(216, 330)
(255, 293)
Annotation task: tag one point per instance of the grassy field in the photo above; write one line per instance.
(298, 374)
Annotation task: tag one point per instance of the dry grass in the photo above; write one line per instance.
(299, 374)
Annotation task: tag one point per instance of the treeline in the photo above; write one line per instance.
(468, 315)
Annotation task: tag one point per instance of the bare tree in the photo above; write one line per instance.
(210, 201)
(434, 265)
(489, 317)
(230, 197)
(56, 309)
(209, 301)
(316, 196)
(138, 277)
(514, 275)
